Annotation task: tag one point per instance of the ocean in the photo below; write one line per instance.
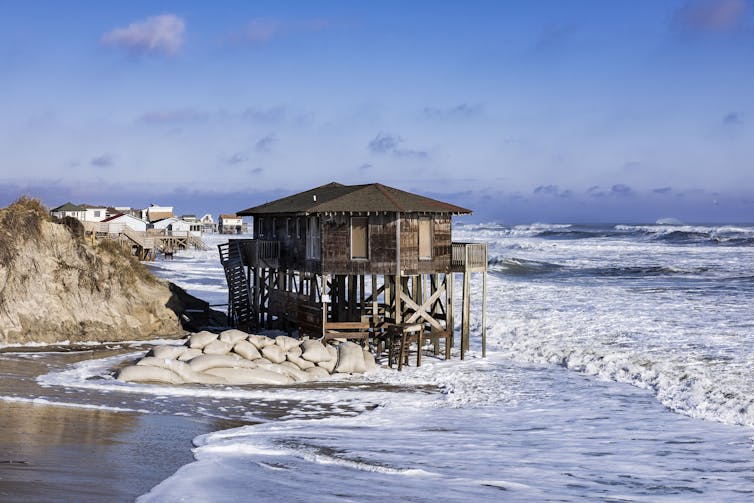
(620, 367)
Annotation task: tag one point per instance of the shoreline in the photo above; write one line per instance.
(62, 453)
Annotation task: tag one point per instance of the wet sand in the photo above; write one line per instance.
(52, 453)
(84, 451)
(73, 453)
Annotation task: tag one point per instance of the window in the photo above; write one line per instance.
(96, 214)
(288, 227)
(298, 228)
(260, 228)
(313, 239)
(425, 239)
(359, 237)
(274, 228)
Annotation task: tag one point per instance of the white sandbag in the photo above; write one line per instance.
(317, 373)
(286, 342)
(260, 341)
(329, 366)
(153, 361)
(250, 376)
(201, 339)
(274, 353)
(247, 350)
(189, 354)
(171, 352)
(350, 359)
(295, 351)
(332, 351)
(299, 362)
(183, 369)
(291, 370)
(217, 348)
(263, 362)
(314, 351)
(232, 336)
(147, 373)
(204, 362)
(369, 364)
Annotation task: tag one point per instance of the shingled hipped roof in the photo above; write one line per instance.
(337, 198)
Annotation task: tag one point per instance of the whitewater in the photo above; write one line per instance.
(619, 367)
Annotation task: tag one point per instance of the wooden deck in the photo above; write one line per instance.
(145, 245)
(465, 257)
(468, 257)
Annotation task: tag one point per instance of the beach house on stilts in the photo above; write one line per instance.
(364, 262)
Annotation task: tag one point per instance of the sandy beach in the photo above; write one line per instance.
(58, 453)
(53, 450)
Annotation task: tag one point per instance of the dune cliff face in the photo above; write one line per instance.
(55, 287)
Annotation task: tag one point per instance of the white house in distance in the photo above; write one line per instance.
(94, 213)
(230, 224)
(116, 223)
(156, 212)
(178, 227)
(82, 212)
(69, 210)
(208, 223)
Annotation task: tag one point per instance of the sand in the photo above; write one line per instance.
(53, 453)
(69, 453)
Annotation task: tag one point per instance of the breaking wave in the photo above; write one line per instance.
(512, 266)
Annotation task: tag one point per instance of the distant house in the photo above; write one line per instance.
(124, 209)
(231, 224)
(82, 212)
(69, 210)
(189, 218)
(208, 223)
(118, 222)
(94, 213)
(176, 226)
(156, 212)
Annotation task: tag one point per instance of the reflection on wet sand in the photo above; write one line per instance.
(52, 453)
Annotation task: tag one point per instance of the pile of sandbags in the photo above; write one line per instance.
(237, 358)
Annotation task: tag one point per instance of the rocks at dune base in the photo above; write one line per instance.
(236, 358)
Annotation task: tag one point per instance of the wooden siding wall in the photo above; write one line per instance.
(336, 245)
(441, 246)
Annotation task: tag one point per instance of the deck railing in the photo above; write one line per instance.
(260, 253)
(468, 257)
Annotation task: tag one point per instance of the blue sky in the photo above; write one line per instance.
(620, 111)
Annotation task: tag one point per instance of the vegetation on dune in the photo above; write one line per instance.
(57, 283)
(21, 221)
(128, 267)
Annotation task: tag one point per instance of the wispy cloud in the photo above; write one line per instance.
(365, 167)
(262, 30)
(236, 158)
(265, 114)
(265, 143)
(552, 190)
(391, 144)
(462, 111)
(662, 190)
(621, 189)
(732, 119)
(712, 15)
(102, 161)
(158, 34)
(178, 115)
(554, 36)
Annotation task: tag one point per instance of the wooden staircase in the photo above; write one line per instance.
(240, 312)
